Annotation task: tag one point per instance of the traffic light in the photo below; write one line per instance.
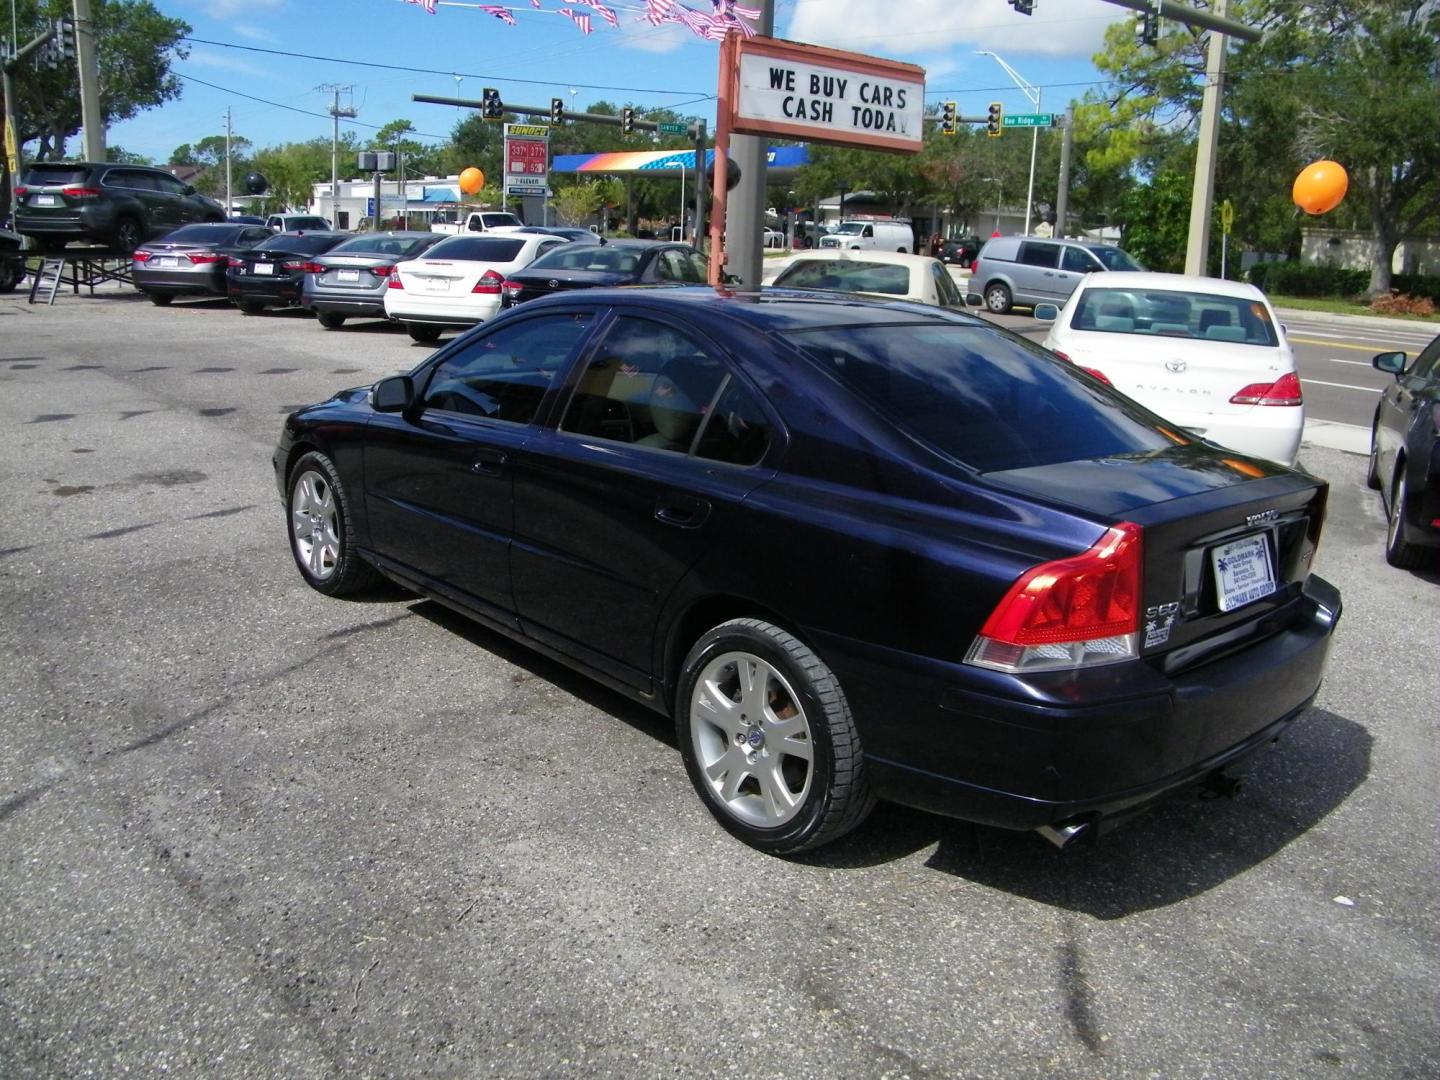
(627, 120)
(994, 119)
(947, 118)
(1023, 7)
(65, 39)
(557, 110)
(1147, 27)
(491, 107)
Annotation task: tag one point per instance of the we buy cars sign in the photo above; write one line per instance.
(826, 96)
(527, 159)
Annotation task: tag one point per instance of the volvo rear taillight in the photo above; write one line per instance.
(1283, 391)
(489, 284)
(1070, 613)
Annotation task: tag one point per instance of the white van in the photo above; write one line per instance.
(871, 235)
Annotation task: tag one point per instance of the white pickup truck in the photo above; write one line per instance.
(480, 221)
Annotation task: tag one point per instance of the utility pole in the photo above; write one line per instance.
(228, 204)
(336, 112)
(745, 206)
(1202, 195)
(85, 59)
(1062, 197)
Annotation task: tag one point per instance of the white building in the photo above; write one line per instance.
(426, 197)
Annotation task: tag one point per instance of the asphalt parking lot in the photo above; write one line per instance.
(247, 830)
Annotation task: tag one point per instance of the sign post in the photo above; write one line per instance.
(527, 160)
(1227, 221)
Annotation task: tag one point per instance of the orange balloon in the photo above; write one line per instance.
(1320, 187)
(472, 180)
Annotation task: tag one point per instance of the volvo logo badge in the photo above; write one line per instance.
(1177, 365)
(1265, 517)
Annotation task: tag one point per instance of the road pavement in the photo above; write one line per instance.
(246, 830)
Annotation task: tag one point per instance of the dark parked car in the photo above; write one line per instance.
(192, 259)
(854, 549)
(350, 278)
(1405, 457)
(12, 261)
(959, 250)
(119, 206)
(271, 274)
(615, 262)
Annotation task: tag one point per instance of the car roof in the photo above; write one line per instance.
(767, 310)
(895, 258)
(1151, 279)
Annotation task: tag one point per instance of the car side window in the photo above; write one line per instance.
(1046, 255)
(257, 235)
(548, 245)
(1426, 363)
(737, 431)
(168, 184)
(504, 375)
(677, 265)
(945, 287)
(1078, 262)
(137, 181)
(648, 384)
(869, 231)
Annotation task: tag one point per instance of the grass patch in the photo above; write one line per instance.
(1340, 307)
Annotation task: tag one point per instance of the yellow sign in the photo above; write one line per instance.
(1227, 216)
(532, 130)
(12, 155)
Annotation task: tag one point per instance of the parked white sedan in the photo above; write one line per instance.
(457, 282)
(1208, 355)
(887, 274)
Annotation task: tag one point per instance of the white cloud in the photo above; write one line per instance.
(255, 33)
(226, 62)
(229, 9)
(907, 28)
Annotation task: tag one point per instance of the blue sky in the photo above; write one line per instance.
(274, 98)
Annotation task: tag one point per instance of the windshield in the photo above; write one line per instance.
(1112, 258)
(478, 249)
(984, 399)
(590, 257)
(1170, 313)
(846, 275)
(295, 224)
(850, 228)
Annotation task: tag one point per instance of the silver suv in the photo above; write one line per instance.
(1029, 270)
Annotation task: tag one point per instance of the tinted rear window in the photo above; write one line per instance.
(296, 223)
(477, 249)
(204, 234)
(500, 221)
(590, 257)
(984, 399)
(380, 244)
(300, 245)
(58, 173)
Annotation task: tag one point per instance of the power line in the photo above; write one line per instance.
(292, 108)
(435, 71)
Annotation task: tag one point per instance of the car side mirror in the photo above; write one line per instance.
(395, 394)
(1046, 312)
(1393, 362)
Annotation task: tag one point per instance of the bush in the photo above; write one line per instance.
(1303, 279)
(1399, 304)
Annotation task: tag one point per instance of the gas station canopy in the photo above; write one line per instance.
(781, 161)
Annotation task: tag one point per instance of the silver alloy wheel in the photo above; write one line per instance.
(314, 524)
(752, 739)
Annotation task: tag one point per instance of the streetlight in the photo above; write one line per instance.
(999, 189)
(1033, 93)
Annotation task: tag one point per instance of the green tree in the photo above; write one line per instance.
(136, 46)
(209, 154)
(576, 203)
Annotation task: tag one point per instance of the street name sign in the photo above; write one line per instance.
(672, 129)
(1028, 120)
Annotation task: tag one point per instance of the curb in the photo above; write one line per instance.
(1331, 318)
(1349, 438)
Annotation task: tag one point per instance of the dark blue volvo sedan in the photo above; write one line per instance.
(855, 549)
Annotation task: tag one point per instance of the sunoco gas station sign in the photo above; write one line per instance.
(823, 95)
(527, 159)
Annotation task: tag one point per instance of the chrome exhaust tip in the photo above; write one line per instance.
(1064, 834)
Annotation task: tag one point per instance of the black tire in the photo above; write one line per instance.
(421, 332)
(161, 299)
(250, 307)
(316, 500)
(12, 272)
(330, 320)
(1372, 467)
(128, 235)
(997, 298)
(1398, 551)
(829, 792)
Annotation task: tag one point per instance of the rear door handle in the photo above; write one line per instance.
(489, 462)
(681, 511)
